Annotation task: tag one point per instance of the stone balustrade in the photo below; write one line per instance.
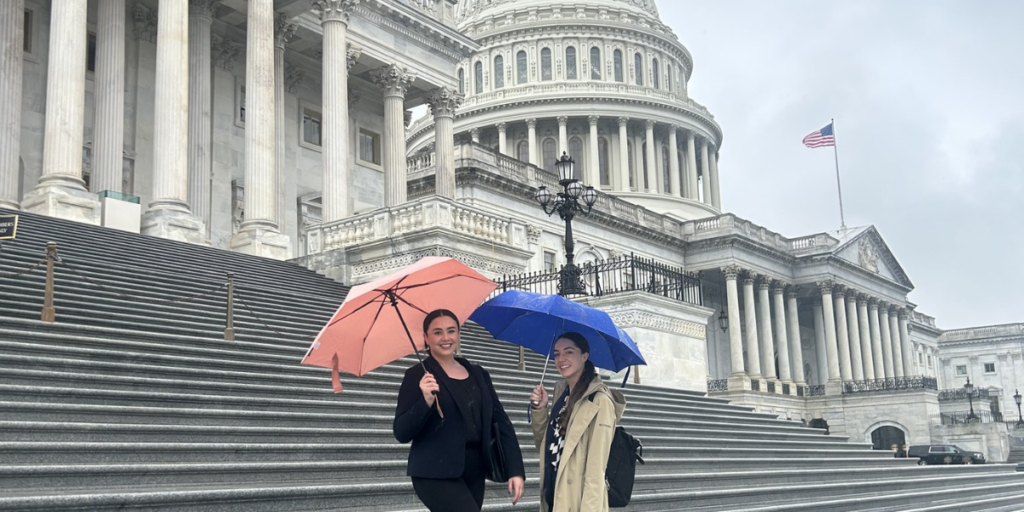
(993, 331)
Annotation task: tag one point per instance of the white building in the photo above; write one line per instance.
(279, 128)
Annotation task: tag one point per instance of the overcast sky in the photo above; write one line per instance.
(928, 98)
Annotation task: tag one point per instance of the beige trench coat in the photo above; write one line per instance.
(580, 482)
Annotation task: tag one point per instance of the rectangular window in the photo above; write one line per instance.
(990, 367)
(549, 261)
(961, 370)
(369, 146)
(929, 360)
(241, 105)
(920, 359)
(311, 123)
(90, 54)
(26, 43)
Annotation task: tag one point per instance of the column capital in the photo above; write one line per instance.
(872, 303)
(839, 291)
(202, 8)
(531, 122)
(592, 119)
(731, 272)
(283, 30)
(791, 292)
(502, 126)
(144, 20)
(334, 10)
(764, 282)
(903, 313)
(778, 287)
(443, 101)
(563, 120)
(691, 136)
(352, 54)
(649, 124)
(749, 278)
(393, 79)
(825, 287)
(224, 51)
(623, 121)
(474, 132)
(862, 298)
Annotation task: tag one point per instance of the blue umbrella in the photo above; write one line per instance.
(534, 321)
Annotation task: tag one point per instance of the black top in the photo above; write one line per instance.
(439, 445)
(467, 393)
(553, 451)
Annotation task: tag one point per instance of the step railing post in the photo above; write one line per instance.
(49, 313)
(522, 358)
(229, 327)
(636, 374)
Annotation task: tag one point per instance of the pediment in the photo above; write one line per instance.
(865, 248)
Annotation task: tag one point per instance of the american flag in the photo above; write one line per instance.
(820, 138)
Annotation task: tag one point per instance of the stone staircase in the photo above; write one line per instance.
(129, 402)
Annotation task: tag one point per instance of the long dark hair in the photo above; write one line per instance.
(589, 372)
(434, 315)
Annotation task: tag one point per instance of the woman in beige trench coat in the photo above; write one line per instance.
(575, 435)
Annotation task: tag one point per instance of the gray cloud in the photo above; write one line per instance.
(928, 98)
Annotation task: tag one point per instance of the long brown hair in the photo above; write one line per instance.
(589, 372)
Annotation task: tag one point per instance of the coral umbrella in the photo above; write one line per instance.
(371, 328)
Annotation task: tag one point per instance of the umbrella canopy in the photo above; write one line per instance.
(380, 321)
(534, 320)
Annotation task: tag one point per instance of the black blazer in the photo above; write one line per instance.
(439, 445)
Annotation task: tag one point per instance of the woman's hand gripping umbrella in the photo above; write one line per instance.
(371, 328)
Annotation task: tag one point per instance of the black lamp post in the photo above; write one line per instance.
(723, 320)
(568, 203)
(970, 399)
(1016, 398)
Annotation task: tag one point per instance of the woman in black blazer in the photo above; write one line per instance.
(446, 412)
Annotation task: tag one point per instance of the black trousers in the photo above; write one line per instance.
(465, 494)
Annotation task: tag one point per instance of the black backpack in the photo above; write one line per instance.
(625, 453)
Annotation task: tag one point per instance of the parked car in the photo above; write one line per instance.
(945, 454)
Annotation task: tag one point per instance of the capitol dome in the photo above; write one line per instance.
(533, 91)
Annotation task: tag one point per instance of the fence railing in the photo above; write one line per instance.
(617, 275)
(892, 384)
(816, 390)
(948, 395)
(963, 418)
(718, 385)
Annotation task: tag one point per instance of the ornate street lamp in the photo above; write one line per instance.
(970, 399)
(568, 203)
(1016, 398)
(723, 320)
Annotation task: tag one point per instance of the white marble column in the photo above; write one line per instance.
(750, 322)
(735, 335)
(706, 169)
(394, 81)
(502, 140)
(781, 337)
(897, 343)
(284, 30)
(169, 215)
(796, 353)
(531, 139)
(829, 319)
(649, 182)
(563, 138)
(624, 154)
(108, 131)
(200, 108)
(12, 16)
(887, 353)
(865, 338)
(61, 191)
(673, 162)
(593, 167)
(819, 344)
(443, 102)
(842, 341)
(909, 357)
(856, 361)
(691, 168)
(474, 135)
(716, 197)
(335, 136)
(764, 323)
(876, 339)
(259, 234)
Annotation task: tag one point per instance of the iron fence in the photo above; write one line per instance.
(962, 418)
(755, 385)
(718, 385)
(947, 395)
(816, 390)
(892, 384)
(616, 275)
(771, 386)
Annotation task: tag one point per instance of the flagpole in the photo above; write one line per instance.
(839, 183)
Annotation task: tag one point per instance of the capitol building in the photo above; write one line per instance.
(357, 136)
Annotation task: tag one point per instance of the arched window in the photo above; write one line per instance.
(521, 74)
(655, 80)
(462, 81)
(523, 151)
(643, 168)
(632, 166)
(499, 72)
(602, 162)
(638, 63)
(595, 63)
(550, 154)
(576, 152)
(478, 79)
(665, 171)
(545, 64)
(570, 62)
(617, 62)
